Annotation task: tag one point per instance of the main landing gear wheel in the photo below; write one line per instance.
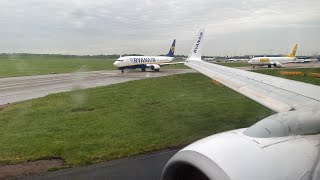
(143, 69)
(156, 70)
(269, 66)
(122, 70)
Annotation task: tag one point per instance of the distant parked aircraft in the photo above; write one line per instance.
(274, 61)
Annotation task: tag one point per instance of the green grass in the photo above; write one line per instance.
(15, 65)
(306, 78)
(93, 125)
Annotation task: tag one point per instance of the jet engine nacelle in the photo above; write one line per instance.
(154, 66)
(277, 64)
(290, 152)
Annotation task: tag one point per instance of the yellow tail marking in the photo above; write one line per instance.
(293, 54)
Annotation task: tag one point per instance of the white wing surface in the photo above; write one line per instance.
(278, 94)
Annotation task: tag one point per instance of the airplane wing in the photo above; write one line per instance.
(172, 63)
(278, 94)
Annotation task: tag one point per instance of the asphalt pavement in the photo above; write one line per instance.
(15, 89)
(148, 166)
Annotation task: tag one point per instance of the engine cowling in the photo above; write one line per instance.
(154, 66)
(277, 64)
(235, 155)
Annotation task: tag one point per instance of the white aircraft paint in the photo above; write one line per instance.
(274, 61)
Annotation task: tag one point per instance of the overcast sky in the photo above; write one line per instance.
(149, 26)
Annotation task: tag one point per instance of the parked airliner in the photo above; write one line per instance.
(143, 62)
(274, 61)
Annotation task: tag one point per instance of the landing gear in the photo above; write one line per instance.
(269, 66)
(143, 69)
(156, 70)
(122, 70)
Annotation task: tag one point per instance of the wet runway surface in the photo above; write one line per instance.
(141, 167)
(15, 89)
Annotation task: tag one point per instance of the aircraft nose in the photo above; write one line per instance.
(116, 63)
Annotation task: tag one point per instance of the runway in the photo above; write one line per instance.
(15, 89)
(142, 167)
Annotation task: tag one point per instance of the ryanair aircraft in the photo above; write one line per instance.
(274, 61)
(143, 62)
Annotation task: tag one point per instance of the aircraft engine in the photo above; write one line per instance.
(281, 146)
(277, 64)
(155, 66)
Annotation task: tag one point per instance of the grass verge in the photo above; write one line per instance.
(93, 125)
(42, 64)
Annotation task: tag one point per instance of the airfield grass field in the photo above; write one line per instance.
(24, 65)
(98, 124)
(93, 125)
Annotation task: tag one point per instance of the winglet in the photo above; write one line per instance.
(171, 51)
(196, 51)
(293, 54)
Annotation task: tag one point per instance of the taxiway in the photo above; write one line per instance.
(15, 89)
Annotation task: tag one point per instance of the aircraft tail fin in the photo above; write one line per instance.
(293, 54)
(171, 51)
(196, 51)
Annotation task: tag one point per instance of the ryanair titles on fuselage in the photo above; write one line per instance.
(198, 42)
(142, 60)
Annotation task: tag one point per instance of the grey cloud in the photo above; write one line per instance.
(148, 26)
